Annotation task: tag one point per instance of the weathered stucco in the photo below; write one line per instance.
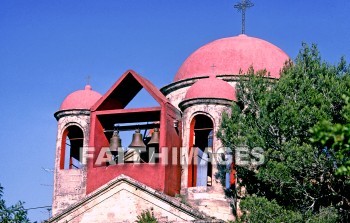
(210, 199)
(177, 96)
(69, 184)
(123, 199)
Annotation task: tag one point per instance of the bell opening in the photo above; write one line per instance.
(144, 143)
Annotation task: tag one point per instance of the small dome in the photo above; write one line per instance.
(211, 88)
(81, 99)
(228, 55)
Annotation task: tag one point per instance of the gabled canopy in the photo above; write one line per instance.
(124, 90)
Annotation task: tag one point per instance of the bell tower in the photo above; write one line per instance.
(73, 129)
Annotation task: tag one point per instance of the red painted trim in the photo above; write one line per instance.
(232, 174)
(151, 175)
(192, 169)
(63, 148)
(130, 110)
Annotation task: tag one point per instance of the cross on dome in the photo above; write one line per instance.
(88, 79)
(213, 68)
(242, 7)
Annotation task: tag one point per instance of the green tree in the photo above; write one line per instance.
(335, 138)
(12, 214)
(298, 181)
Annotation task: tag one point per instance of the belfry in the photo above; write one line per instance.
(169, 167)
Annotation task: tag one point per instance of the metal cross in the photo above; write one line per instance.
(88, 79)
(242, 7)
(213, 68)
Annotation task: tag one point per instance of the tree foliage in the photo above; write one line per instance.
(337, 138)
(298, 181)
(12, 214)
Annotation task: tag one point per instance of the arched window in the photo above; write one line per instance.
(71, 148)
(201, 143)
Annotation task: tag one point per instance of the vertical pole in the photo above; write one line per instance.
(243, 21)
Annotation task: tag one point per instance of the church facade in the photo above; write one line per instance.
(170, 166)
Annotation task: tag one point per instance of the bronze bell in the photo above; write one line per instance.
(155, 137)
(137, 141)
(115, 142)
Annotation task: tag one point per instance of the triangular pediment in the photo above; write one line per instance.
(122, 200)
(124, 91)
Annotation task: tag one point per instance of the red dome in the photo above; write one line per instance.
(229, 55)
(81, 99)
(211, 88)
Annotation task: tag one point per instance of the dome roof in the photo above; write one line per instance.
(81, 99)
(229, 55)
(211, 88)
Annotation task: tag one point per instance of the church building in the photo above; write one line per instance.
(169, 168)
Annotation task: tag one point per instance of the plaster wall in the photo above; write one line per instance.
(69, 184)
(211, 199)
(123, 203)
(177, 96)
(214, 112)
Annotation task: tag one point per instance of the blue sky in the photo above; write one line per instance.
(49, 47)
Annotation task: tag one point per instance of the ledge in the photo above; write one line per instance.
(71, 112)
(207, 101)
(180, 84)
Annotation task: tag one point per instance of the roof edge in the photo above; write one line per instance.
(146, 84)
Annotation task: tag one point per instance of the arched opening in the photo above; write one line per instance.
(71, 148)
(200, 146)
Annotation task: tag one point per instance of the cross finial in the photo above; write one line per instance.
(242, 7)
(88, 79)
(213, 68)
